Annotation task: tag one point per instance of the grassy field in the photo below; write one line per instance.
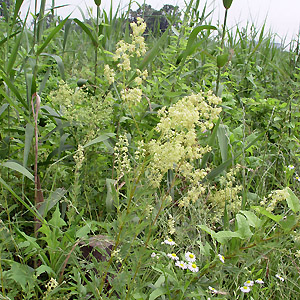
(147, 155)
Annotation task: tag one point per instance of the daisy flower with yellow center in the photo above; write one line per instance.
(181, 264)
(248, 283)
(221, 258)
(259, 281)
(190, 257)
(193, 268)
(173, 256)
(245, 289)
(279, 277)
(169, 242)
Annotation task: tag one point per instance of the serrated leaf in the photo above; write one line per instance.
(21, 274)
(56, 220)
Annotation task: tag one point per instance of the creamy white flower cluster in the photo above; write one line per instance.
(274, 198)
(121, 153)
(178, 146)
(136, 48)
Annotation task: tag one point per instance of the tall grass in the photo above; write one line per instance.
(109, 174)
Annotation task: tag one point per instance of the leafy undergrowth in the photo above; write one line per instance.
(147, 159)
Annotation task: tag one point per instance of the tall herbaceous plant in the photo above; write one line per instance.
(135, 165)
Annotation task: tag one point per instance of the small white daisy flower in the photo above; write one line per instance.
(169, 242)
(259, 281)
(297, 178)
(279, 277)
(291, 167)
(154, 255)
(221, 258)
(190, 257)
(181, 264)
(248, 283)
(193, 268)
(245, 289)
(173, 256)
(213, 290)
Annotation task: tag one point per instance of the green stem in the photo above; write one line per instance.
(96, 46)
(222, 47)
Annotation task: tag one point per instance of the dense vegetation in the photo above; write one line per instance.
(145, 161)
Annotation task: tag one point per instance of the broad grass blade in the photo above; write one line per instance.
(51, 35)
(29, 132)
(59, 62)
(19, 168)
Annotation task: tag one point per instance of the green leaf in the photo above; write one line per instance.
(154, 51)
(157, 293)
(20, 199)
(60, 64)
(266, 213)
(21, 274)
(253, 220)
(66, 33)
(17, 94)
(109, 196)
(223, 236)
(219, 169)
(13, 55)
(19, 168)
(3, 108)
(223, 142)
(87, 31)
(211, 142)
(51, 201)
(83, 231)
(288, 222)
(42, 269)
(8, 38)
(51, 35)
(99, 139)
(207, 229)
(193, 36)
(18, 4)
(29, 132)
(56, 220)
(293, 201)
(243, 231)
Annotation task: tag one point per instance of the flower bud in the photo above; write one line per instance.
(227, 3)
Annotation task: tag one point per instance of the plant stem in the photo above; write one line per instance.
(222, 47)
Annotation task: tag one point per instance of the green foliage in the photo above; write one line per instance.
(128, 182)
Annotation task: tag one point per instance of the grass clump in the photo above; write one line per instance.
(139, 164)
